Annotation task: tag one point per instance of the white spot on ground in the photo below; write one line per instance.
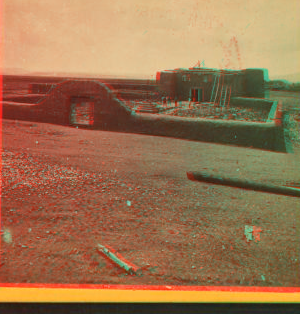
(7, 236)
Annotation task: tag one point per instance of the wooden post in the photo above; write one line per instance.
(243, 184)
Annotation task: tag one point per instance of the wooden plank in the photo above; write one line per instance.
(118, 259)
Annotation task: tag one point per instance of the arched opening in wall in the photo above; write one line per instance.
(82, 110)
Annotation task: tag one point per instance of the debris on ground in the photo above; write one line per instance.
(7, 236)
(252, 233)
(118, 259)
(256, 233)
(249, 233)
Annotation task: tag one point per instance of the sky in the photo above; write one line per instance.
(140, 37)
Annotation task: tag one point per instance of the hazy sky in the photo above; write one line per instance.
(137, 37)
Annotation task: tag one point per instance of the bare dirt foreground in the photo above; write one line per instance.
(65, 190)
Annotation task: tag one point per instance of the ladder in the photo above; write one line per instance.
(215, 88)
(221, 93)
(229, 95)
(223, 96)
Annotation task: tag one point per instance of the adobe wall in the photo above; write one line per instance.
(111, 114)
(268, 136)
(256, 103)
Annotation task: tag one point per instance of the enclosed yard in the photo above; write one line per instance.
(209, 111)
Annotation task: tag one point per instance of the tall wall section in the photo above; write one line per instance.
(254, 83)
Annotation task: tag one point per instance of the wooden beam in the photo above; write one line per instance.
(243, 184)
(118, 259)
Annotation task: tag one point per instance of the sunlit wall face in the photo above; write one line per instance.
(137, 38)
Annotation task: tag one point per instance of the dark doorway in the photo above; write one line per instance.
(197, 94)
(82, 111)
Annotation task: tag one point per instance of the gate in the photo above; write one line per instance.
(82, 111)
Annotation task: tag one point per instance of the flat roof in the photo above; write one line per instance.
(204, 70)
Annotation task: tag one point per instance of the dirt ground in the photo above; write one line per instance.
(65, 190)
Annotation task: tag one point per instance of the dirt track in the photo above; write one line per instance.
(65, 189)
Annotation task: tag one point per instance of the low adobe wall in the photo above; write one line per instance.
(273, 107)
(27, 99)
(267, 135)
(255, 103)
(21, 111)
(111, 114)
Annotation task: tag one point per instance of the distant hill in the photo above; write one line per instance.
(17, 71)
(293, 78)
(90, 75)
(13, 71)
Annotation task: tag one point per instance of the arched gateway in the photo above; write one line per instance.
(83, 102)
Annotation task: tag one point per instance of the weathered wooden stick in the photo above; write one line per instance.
(245, 184)
(118, 259)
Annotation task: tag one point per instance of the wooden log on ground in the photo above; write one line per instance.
(118, 259)
(243, 184)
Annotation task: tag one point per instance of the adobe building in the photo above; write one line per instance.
(103, 104)
(211, 85)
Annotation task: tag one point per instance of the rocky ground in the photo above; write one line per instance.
(65, 190)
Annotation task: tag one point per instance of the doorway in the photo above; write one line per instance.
(196, 94)
(82, 111)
